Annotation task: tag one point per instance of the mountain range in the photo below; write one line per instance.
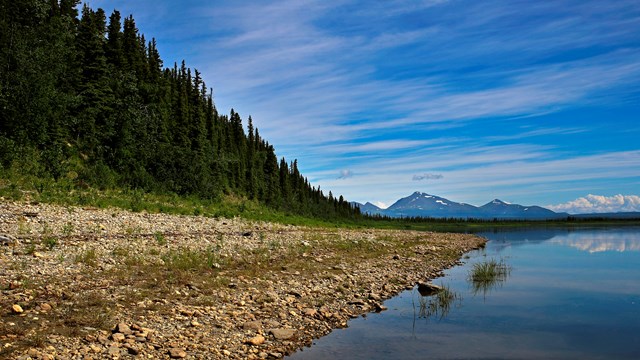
(421, 204)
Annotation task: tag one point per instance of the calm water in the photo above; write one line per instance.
(570, 294)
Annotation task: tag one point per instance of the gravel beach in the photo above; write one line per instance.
(87, 283)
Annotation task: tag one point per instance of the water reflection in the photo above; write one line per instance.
(601, 241)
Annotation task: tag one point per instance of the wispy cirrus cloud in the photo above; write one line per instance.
(498, 97)
(427, 176)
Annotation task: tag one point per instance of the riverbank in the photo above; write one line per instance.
(86, 283)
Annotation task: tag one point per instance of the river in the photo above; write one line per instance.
(567, 294)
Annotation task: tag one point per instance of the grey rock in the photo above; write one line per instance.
(282, 334)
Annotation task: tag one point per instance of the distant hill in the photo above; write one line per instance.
(503, 210)
(425, 205)
(368, 208)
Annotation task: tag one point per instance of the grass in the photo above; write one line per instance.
(87, 257)
(190, 260)
(160, 239)
(488, 274)
(438, 304)
(25, 188)
(49, 242)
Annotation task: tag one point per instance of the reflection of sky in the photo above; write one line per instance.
(600, 241)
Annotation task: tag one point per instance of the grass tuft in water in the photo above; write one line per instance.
(486, 275)
(439, 304)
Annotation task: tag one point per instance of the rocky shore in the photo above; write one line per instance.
(86, 283)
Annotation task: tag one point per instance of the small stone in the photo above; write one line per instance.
(380, 307)
(310, 312)
(123, 328)
(113, 350)
(38, 255)
(177, 353)
(45, 307)
(118, 337)
(282, 334)
(252, 325)
(256, 340)
(187, 312)
(131, 349)
(396, 257)
(226, 352)
(17, 309)
(103, 339)
(33, 352)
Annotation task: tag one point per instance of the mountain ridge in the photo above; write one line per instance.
(421, 204)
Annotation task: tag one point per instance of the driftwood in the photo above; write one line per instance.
(7, 240)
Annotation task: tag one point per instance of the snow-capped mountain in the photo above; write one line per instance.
(425, 205)
(502, 210)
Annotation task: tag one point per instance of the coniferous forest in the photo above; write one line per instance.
(85, 98)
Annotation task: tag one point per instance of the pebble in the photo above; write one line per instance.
(256, 340)
(177, 353)
(282, 334)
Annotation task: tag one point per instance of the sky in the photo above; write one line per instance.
(531, 102)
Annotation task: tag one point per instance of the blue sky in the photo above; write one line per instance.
(532, 102)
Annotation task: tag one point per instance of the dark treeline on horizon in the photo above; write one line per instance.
(86, 99)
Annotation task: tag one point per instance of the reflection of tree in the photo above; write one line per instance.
(486, 275)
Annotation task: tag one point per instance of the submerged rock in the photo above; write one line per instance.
(427, 289)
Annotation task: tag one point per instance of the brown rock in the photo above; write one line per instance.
(310, 312)
(131, 349)
(45, 307)
(113, 350)
(256, 340)
(123, 328)
(253, 325)
(17, 309)
(103, 339)
(177, 353)
(118, 337)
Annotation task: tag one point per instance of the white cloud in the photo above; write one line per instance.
(427, 177)
(599, 204)
(345, 174)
